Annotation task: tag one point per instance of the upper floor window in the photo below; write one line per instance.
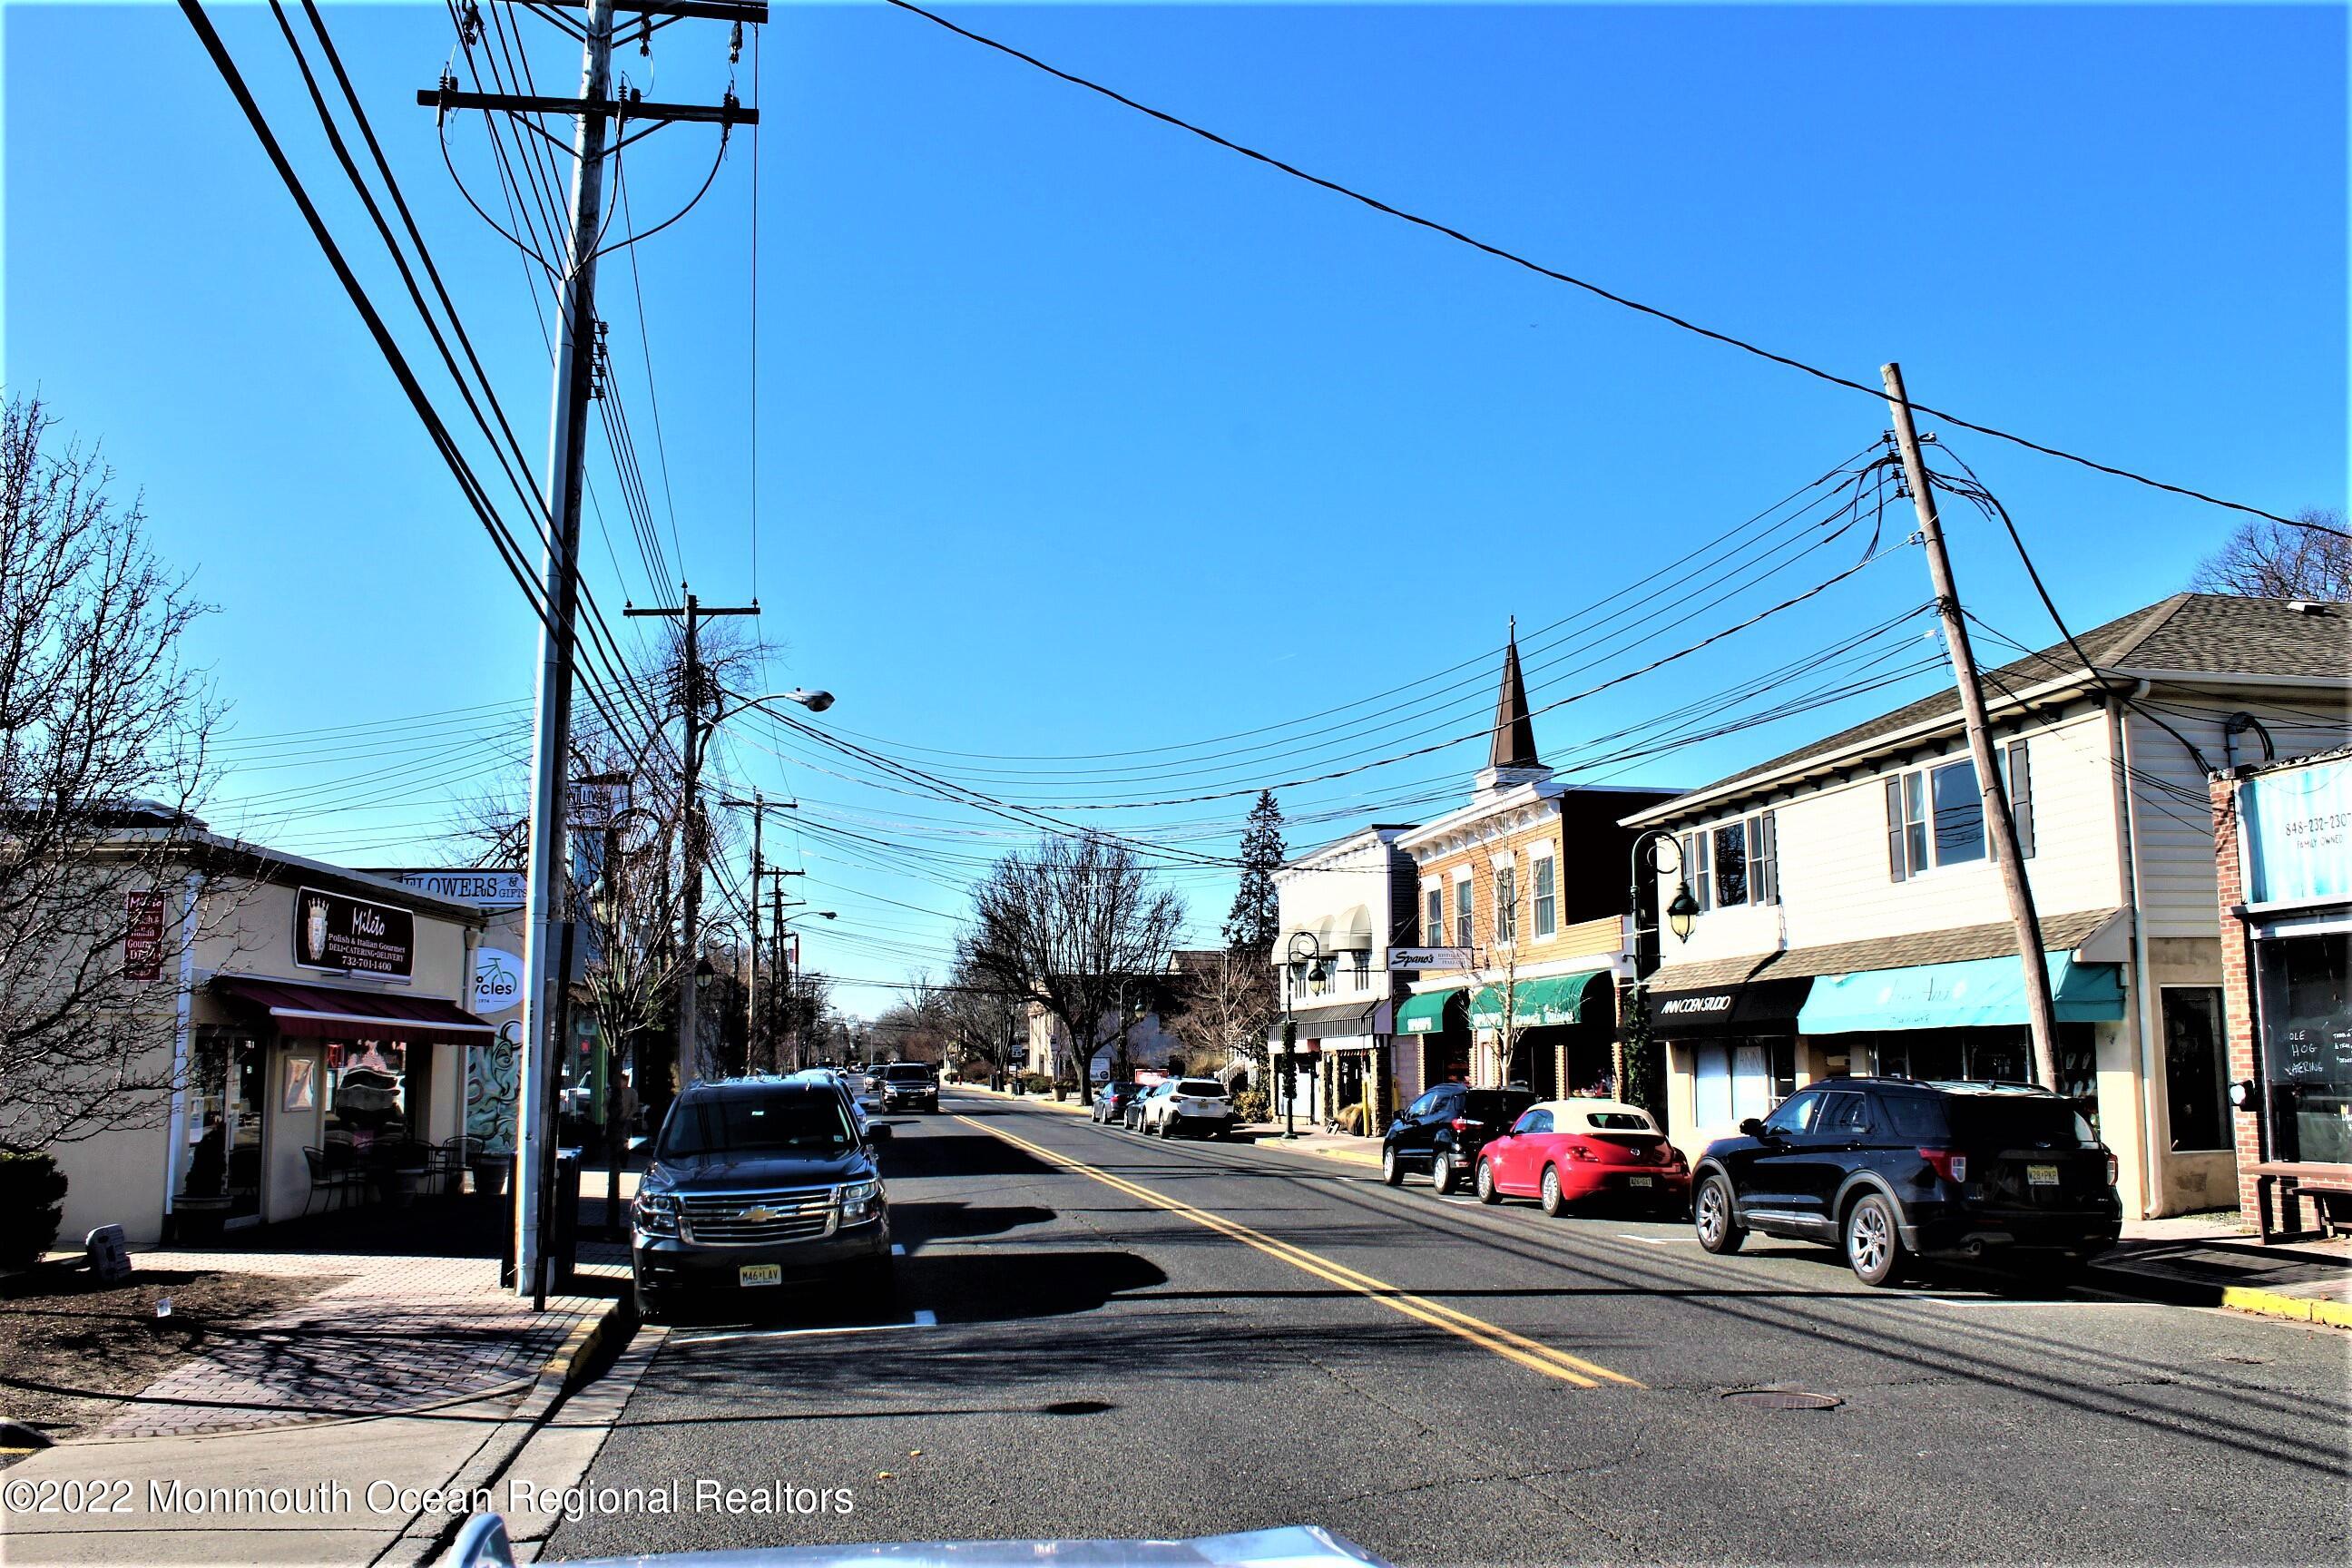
(1507, 903)
(1433, 928)
(1698, 867)
(1547, 898)
(1464, 911)
(1934, 816)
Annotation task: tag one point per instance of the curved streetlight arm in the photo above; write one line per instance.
(1680, 910)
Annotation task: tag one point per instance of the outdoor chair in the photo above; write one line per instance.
(450, 1162)
(337, 1182)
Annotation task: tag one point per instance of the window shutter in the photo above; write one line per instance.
(1896, 869)
(1765, 861)
(2020, 797)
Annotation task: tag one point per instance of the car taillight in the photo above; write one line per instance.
(2113, 1170)
(1951, 1167)
(1577, 1150)
(1674, 1156)
(1464, 1124)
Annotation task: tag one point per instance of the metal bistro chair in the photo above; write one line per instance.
(451, 1160)
(338, 1182)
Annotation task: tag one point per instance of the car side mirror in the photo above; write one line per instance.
(1752, 1128)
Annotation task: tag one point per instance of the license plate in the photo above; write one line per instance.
(1638, 1181)
(759, 1274)
(2041, 1175)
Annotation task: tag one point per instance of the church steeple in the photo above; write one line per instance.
(1515, 733)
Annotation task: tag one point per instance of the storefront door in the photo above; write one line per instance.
(226, 1124)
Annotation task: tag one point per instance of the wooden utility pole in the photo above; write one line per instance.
(759, 807)
(2040, 1011)
(692, 847)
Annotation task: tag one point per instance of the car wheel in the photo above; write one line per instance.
(1487, 1192)
(1555, 1203)
(1168, 1127)
(1390, 1171)
(1715, 1219)
(1872, 1244)
(1441, 1175)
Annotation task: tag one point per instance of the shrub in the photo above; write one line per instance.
(1036, 1083)
(32, 1204)
(1253, 1105)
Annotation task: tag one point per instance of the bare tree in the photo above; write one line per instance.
(2265, 560)
(1063, 926)
(1229, 1004)
(983, 1021)
(103, 741)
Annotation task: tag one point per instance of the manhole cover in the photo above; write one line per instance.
(1784, 1399)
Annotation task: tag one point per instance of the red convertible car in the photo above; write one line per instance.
(1567, 1152)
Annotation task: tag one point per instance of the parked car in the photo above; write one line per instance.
(910, 1085)
(1132, 1116)
(1564, 1152)
(833, 1080)
(1891, 1169)
(759, 1183)
(1198, 1106)
(1112, 1100)
(1443, 1132)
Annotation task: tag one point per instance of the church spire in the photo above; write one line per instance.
(1515, 733)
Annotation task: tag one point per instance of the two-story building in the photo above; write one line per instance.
(1342, 908)
(1524, 889)
(1853, 919)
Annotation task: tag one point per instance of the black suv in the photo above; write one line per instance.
(910, 1085)
(1443, 1132)
(1892, 1169)
(756, 1182)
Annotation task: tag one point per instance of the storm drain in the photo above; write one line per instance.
(1784, 1399)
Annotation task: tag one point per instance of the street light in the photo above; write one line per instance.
(1682, 910)
(1313, 965)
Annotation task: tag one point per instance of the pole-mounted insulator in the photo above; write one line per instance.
(735, 43)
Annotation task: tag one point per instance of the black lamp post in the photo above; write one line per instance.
(1311, 964)
(1682, 910)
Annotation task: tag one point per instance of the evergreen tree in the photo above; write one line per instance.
(1252, 925)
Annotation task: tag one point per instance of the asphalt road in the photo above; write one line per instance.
(1185, 1339)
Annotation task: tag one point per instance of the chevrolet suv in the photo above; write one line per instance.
(910, 1085)
(756, 1182)
(1890, 1169)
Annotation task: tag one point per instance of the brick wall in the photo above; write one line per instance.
(2237, 986)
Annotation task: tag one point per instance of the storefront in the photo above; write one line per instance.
(2286, 876)
(1730, 1049)
(1562, 1035)
(1344, 1061)
(1433, 1041)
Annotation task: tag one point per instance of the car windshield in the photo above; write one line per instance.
(771, 1121)
(911, 1073)
(1200, 1088)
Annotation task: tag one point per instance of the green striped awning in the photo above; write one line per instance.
(1424, 1013)
(1535, 1003)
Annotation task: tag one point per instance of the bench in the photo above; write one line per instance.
(2290, 1182)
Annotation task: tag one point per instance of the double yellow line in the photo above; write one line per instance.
(1486, 1336)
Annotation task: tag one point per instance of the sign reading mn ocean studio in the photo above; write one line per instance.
(2298, 824)
(353, 936)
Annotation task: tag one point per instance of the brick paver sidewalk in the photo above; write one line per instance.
(400, 1333)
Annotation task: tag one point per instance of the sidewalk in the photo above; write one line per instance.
(323, 1433)
(2215, 1260)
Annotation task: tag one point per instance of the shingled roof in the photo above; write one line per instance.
(2187, 633)
(2060, 933)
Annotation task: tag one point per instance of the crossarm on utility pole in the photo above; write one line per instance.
(2041, 1014)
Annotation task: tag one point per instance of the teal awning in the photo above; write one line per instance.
(1423, 1012)
(1554, 999)
(1978, 993)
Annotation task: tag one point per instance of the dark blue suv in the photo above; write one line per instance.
(1889, 1170)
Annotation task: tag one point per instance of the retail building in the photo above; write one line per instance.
(1852, 918)
(1344, 909)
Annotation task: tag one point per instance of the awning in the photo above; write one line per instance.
(1754, 1007)
(1553, 999)
(1424, 1012)
(320, 1012)
(1976, 993)
(1332, 1025)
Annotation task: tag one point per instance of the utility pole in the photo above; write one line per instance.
(691, 848)
(2041, 1014)
(759, 807)
(545, 979)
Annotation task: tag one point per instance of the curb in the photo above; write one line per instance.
(2292, 1309)
(2245, 1299)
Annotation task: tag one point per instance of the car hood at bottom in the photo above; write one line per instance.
(733, 1171)
(482, 1544)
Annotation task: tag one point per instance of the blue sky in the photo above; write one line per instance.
(1078, 435)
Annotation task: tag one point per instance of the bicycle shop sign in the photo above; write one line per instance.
(353, 936)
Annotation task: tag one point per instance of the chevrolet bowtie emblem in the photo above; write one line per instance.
(759, 1214)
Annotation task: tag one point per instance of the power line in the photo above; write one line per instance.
(1877, 393)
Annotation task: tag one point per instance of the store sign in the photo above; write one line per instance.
(353, 936)
(1697, 1007)
(2298, 831)
(593, 803)
(1429, 958)
(497, 980)
(483, 889)
(142, 936)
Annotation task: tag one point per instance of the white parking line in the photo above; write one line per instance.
(1652, 1240)
(922, 1319)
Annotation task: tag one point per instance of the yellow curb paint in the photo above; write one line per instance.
(1512, 1347)
(2336, 1314)
(2293, 1309)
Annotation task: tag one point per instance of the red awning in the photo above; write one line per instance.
(320, 1012)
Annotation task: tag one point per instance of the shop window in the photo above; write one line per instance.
(1547, 898)
(1507, 903)
(1433, 930)
(2306, 1042)
(2196, 1067)
(1464, 913)
(1730, 857)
